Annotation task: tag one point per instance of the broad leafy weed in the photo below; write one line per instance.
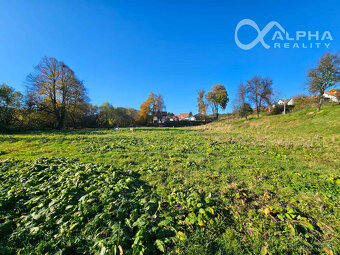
(176, 191)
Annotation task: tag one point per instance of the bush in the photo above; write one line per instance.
(303, 102)
(278, 109)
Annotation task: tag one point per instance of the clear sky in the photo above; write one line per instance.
(126, 48)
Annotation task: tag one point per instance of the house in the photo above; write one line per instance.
(291, 102)
(159, 118)
(283, 101)
(332, 96)
(182, 116)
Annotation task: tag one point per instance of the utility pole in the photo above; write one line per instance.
(284, 106)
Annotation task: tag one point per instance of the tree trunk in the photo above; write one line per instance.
(258, 111)
(60, 123)
(216, 110)
(74, 123)
(60, 118)
(213, 111)
(320, 103)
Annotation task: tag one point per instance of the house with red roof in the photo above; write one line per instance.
(182, 116)
(332, 96)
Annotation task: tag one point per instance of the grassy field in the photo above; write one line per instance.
(264, 186)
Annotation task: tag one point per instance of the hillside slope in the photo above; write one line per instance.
(303, 128)
(306, 123)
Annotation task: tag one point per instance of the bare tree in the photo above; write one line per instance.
(54, 87)
(271, 98)
(324, 76)
(259, 90)
(158, 105)
(242, 93)
(243, 107)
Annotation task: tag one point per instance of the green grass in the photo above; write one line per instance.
(264, 186)
(296, 127)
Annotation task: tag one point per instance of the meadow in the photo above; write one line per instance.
(263, 186)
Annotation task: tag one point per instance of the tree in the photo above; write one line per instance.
(217, 97)
(259, 90)
(153, 106)
(55, 87)
(145, 109)
(335, 90)
(81, 115)
(106, 115)
(324, 76)
(271, 98)
(33, 117)
(110, 116)
(202, 104)
(242, 93)
(125, 116)
(244, 108)
(157, 106)
(9, 102)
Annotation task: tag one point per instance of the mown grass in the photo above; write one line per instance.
(265, 186)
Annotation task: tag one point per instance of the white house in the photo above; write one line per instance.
(159, 118)
(291, 102)
(332, 96)
(282, 101)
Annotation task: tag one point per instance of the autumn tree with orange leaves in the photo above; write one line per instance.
(153, 106)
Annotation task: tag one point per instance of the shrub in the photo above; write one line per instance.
(278, 109)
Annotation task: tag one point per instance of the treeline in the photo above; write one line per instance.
(258, 94)
(56, 98)
(258, 91)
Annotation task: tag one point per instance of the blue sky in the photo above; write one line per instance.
(125, 49)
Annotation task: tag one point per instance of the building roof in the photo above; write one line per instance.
(333, 93)
(284, 100)
(182, 115)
